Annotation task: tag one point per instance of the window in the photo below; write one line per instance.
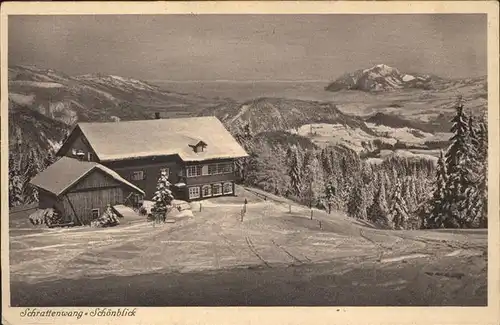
(194, 192)
(212, 169)
(228, 188)
(204, 170)
(95, 214)
(227, 168)
(138, 175)
(199, 147)
(207, 190)
(216, 189)
(192, 171)
(220, 168)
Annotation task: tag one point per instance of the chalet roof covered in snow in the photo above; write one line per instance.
(66, 172)
(161, 137)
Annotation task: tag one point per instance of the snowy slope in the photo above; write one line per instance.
(332, 134)
(279, 114)
(405, 134)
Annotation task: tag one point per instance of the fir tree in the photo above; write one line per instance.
(294, 170)
(379, 210)
(326, 163)
(473, 165)
(356, 206)
(314, 180)
(438, 214)
(398, 211)
(476, 193)
(31, 169)
(456, 165)
(483, 176)
(162, 198)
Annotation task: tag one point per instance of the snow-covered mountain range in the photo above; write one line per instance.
(382, 77)
(95, 97)
(45, 104)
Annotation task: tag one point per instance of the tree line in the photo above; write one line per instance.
(395, 193)
(460, 193)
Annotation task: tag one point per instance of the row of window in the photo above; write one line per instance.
(191, 171)
(211, 169)
(210, 190)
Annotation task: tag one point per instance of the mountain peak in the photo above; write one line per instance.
(381, 77)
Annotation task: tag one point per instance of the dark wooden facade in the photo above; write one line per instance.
(86, 199)
(151, 168)
(177, 169)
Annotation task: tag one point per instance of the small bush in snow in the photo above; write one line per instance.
(143, 211)
(50, 217)
(107, 219)
(37, 217)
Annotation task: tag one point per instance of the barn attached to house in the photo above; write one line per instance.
(80, 191)
(197, 153)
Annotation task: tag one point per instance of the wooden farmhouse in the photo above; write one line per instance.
(198, 153)
(80, 190)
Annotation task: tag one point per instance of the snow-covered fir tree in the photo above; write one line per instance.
(326, 162)
(475, 203)
(295, 170)
(162, 197)
(314, 179)
(457, 169)
(32, 167)
(356, 206)
(398, 210)
(438, 215)
(379, 210)
(473, 165)
(482, 135)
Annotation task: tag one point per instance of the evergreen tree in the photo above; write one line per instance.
(483, 175)
(438, 215)
(456, 166)
(326, 163)
(162, 198)
(314, 180)
(473, 166)
(410, 194)
(294, 170)
(476, 193)
(356, 206)
(31, 169)
(379, 210)
(398, 211)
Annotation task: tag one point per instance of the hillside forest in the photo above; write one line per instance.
(397, 193)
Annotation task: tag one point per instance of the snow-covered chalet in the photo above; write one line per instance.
(198, 153)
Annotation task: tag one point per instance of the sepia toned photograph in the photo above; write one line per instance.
(248, 160)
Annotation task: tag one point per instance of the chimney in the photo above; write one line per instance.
(157, 116)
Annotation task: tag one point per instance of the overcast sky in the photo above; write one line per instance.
(249, 47)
